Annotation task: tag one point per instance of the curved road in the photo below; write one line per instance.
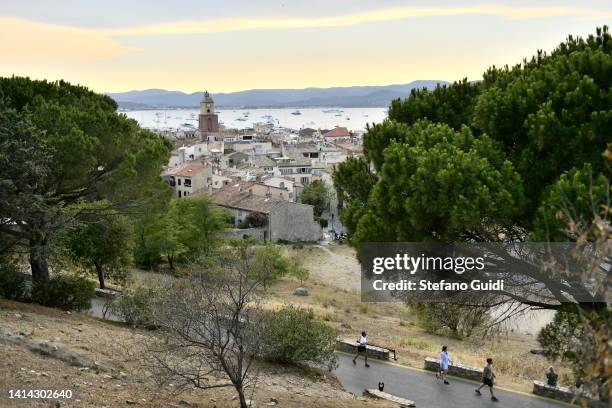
(427, 392)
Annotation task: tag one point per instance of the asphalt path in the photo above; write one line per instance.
(422, 387)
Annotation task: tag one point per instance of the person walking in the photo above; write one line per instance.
(445, 361)
(488, 377)
(362, 349)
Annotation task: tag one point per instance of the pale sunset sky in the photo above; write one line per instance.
(231, 45)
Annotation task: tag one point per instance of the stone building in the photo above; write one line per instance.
(284, 219)
(188, 178)
(208, 121)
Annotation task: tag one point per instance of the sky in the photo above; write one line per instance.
(231, 45)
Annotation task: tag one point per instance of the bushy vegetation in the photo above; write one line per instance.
(583, 341)
(13, 284)
(62, 148)
(456, 320)
(136, 306)
(294, 336)
(317, 195)
(65, 292)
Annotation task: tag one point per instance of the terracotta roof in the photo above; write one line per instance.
(239, 197)
(187, 169)
(338, 132)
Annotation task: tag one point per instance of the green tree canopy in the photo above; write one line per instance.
(89, 152)
(317, 195)
(102, 244)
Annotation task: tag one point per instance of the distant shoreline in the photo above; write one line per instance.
(123, 109)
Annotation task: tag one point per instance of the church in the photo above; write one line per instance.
(208, 120)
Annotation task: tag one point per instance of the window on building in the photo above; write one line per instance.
(304, 180)
(179, 182)
(187, 182)
(179, 193)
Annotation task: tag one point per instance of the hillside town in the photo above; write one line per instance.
(260, 172)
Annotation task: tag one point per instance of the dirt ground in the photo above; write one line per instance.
(114, 380)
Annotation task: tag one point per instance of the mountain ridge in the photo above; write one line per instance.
(351, 96)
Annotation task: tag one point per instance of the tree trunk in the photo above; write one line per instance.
(38, 261)
(100, 275)
(243, 402)
(170, 264)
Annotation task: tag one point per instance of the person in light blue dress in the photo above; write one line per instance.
(445, 361)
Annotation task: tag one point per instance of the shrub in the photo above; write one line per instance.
(456, 320)
(65, 292)
(292, 336)
(136, 306)
(147, 256)
(12, 282)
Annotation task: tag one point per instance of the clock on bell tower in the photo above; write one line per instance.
(208, 119)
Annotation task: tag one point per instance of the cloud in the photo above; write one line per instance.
(28, 42)
(391, 14)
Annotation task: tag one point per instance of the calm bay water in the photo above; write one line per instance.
(351, 118)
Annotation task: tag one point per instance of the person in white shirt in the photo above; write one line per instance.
(362, 349)
(445, 361)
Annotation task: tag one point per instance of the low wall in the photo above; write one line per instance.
(351, 347)
(238, 233)
(556, 393)
(457, 370)
(402, 402)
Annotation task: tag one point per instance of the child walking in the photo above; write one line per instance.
(445, 361)
(361, 349)
(487, 379)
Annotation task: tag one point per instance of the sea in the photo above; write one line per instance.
(354, 119)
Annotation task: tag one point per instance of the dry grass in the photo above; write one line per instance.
(394, 326)
(22, 369)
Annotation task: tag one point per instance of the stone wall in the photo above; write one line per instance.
(457, 370)
(556, 393)
(294, 222)
(238, 233)
(351, 347)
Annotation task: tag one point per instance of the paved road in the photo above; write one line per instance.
(427, 392)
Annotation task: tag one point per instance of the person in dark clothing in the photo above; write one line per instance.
(488, 377)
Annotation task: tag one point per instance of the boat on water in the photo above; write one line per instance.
(338, 114)
(296, 112)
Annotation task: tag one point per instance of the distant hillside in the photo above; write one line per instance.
(353, 96)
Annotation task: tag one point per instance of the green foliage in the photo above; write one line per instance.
(553, 112)
(581, 339)
(102, 244)
(437, 183)
(294, 336)
(576, 197)
(451, 104)
(269, 264)
(323, 222)
(353, 182)
(186, 231)
(75, 148)
(458, 320)
(65, 292)
(12, 282)
(136, 306)
(298, 271)
(317, 195)
(256, 220)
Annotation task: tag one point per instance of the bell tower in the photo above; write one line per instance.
(208, 119)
